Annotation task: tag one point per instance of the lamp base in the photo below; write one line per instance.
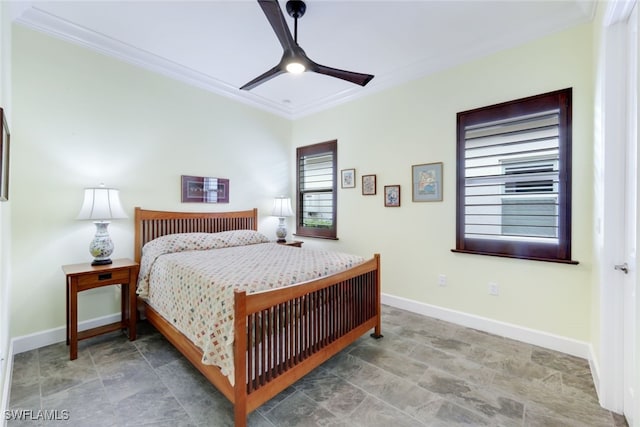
(101, 247)
(281, 231)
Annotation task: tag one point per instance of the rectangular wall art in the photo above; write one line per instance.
(427, 182)
(368, 185)
(348, 178)
(200, 189)
(392, 196)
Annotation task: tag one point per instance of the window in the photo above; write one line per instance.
(514, 179)
(317, 190)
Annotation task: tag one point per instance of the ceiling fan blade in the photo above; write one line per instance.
(277, 70)
(274, 15)
(350, 76)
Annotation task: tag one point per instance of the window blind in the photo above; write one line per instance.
(316, 189)
(512, 176)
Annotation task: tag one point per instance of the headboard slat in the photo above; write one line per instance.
(150, 225)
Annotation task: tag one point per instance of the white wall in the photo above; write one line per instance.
(385, 134)
(80, 119)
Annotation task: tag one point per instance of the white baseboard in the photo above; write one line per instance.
(508, 330)
(56, 335)
(519, 333)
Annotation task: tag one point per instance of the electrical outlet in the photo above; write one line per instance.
(442, 280)
(494, 289)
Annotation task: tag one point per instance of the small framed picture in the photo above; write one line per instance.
(201, 189)
(426, 181)
(368, 185)
(392, 195)
(348, 178)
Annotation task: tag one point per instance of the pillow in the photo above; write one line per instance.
(241, 237)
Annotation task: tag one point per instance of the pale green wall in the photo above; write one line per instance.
(82, 118)
(386, 133)
(90, 118)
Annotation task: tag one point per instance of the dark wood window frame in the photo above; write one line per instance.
(532, 249)
(317, 150)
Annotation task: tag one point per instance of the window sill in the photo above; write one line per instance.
(315, 237)
(559, 261)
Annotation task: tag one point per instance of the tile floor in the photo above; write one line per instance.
(423, 372)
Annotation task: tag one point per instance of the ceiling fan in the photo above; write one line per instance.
(294, 59)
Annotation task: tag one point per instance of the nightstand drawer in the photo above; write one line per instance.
(101, 278)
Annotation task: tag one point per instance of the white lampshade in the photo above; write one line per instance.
(101, 204)
(282, 207)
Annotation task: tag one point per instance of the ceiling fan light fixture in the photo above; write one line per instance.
(294, 60)
(295, 67)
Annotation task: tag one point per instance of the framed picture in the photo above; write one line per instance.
(348, 178)
(5, 138)
(200, 189)
(426, 181)
(392, 195)
(368, 185)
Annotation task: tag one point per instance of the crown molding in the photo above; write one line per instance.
(52, 25)
(32, 17)
(42, 21)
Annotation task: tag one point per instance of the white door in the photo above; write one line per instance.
(618, 227)
(631, 220)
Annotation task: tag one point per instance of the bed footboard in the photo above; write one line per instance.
(281, 335)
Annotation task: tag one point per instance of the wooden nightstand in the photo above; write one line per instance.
(81, 277)
(296, 243)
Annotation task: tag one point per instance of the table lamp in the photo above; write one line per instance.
(281, 209)
(101, 205)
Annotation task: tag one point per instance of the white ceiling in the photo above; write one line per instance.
(221, 45)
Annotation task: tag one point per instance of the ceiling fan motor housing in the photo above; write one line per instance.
(296, 8)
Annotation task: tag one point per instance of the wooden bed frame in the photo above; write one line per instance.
(280, 335)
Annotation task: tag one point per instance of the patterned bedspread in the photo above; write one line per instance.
(190, 279)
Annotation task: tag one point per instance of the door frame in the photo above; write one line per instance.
(612, 127)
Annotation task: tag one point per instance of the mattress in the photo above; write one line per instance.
(190, 280)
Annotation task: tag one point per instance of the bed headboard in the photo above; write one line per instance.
(152, 224)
